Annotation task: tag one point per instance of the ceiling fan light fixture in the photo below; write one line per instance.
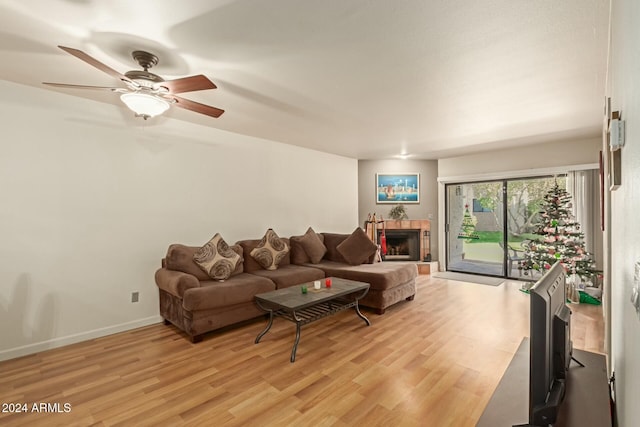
(144, 104)
(147, 94)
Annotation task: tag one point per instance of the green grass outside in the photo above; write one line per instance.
(496, 237)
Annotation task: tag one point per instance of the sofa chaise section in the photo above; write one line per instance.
(390, 282)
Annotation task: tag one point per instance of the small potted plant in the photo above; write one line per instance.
(398, 212)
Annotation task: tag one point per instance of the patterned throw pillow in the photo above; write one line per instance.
(357, 248)
(217, 259)
(270, 251)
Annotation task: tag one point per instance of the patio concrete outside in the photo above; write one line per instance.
(486, 258)
(488, 252)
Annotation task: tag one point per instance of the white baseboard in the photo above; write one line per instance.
(72, 339)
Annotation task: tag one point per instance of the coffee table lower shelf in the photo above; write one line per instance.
(309, 314)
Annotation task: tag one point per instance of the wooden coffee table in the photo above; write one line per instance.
(302, 309)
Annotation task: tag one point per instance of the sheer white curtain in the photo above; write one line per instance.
(584, 190)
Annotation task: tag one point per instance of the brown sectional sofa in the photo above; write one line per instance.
(196, 304)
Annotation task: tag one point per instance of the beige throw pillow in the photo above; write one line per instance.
(270, 251)
(217, 259)
(357, 248)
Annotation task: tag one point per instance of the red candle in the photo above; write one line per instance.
(327, 282)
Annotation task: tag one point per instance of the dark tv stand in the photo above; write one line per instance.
(586, 401)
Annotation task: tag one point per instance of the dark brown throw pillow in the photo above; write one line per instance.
(313, 246)
(180, 258)
(217, 259)
(357, 248)
(270, 251)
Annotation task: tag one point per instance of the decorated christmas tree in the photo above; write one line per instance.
(468, 227)
(560, 239)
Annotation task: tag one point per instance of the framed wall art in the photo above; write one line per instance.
(397, 188)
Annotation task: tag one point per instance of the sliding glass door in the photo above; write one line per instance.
(475, 228)
(490, 222)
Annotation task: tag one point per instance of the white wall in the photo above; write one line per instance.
(426, 209)
(89, 205)
(624, 89)
(528, 157)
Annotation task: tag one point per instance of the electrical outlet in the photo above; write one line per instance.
(135, 296)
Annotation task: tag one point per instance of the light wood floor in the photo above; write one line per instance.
(434, 361)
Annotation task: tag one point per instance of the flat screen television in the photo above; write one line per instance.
(550, 346)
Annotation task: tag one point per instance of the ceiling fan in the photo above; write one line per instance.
(148, 94)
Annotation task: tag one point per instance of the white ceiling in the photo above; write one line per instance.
(360, 78)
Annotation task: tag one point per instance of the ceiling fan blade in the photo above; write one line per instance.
(188, 84)
(197, 107)
(113, 89)
(94, 62)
